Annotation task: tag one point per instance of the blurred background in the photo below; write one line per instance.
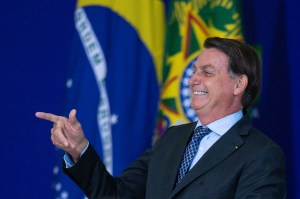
(36, 43)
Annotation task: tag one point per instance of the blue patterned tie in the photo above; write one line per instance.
(191, 150)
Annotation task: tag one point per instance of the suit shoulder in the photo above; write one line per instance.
(261, 140)
(181, 128)
(176, 131)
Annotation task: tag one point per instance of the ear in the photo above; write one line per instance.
(240, 85)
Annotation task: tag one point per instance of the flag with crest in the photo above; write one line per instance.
(189, 23)
(113, 82)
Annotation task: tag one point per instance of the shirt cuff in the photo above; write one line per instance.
(68, 159)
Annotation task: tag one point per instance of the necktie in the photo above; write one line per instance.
(191, 150)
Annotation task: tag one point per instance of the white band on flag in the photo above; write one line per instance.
(96, 57)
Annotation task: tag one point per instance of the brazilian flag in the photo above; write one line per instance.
(113, 82)
(189, 24)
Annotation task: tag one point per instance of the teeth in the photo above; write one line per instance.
(200, 93)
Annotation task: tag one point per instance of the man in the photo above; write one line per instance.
(229, 159)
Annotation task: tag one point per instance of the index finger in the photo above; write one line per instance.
(47, 116)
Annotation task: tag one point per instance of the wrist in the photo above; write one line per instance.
(78, 151)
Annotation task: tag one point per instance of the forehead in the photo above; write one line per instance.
(212, 57)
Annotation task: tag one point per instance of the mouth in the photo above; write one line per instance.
(200, 92)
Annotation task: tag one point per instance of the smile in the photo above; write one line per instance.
(200, 93)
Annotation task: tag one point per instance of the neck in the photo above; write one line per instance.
(209, 118)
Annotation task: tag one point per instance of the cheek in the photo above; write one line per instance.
(218, 89)
(224, 88)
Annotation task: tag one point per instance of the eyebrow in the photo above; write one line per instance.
(204, 66)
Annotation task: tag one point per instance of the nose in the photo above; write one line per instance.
(194, 79)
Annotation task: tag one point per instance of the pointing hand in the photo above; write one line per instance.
(67, 133)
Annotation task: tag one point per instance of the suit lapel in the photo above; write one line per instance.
(170, 168)
(225, 146)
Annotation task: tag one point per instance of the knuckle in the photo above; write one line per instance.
(79, 126)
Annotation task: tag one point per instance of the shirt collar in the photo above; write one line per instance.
(222, 125)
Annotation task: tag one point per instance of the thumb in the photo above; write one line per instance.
(72, 116)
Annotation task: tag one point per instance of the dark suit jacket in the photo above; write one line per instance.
(243, 163)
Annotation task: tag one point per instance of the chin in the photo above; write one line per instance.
(197, 107)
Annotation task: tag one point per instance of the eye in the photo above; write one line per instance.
(194, 69)
(207, 73)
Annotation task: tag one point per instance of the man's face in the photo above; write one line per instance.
(211, 86)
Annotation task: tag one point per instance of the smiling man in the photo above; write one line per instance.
(221, 156)
(216, 90)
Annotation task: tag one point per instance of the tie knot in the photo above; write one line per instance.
(202, 131)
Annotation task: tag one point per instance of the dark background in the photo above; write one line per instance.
(35, 45)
